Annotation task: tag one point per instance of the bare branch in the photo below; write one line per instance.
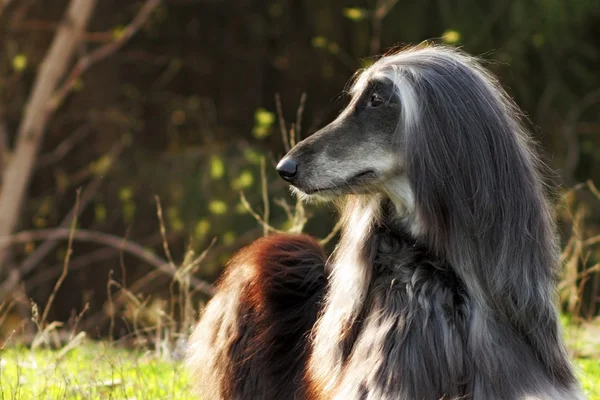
(3, 5)
(333, 232)
(282, 128)
(94, 257)
(3, 144)
(64, 147)
(83, 235)
(17, 174)
(382, 10)
(265, 196)
(102, 52)
(257, 217)
(65, 269)
(298, 125)
(163, 233)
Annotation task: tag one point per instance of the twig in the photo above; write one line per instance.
(51, 26)
(282, 128)
(65, 269)
(83, 235)
(77, 319)
(93, 257)
(3, 144)
(265, 196)
(102, 52)
(3, 5)
(111, 305)
(286, 208)
(592, 241)
(298, 125)
(163, 233)
(257, 217)
(333, 232)
(593, 188)
(382, 10)
(63, 148)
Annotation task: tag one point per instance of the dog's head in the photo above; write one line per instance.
(357, 152)
(429, 128)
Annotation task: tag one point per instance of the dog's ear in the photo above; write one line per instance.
(466, 158)
(479, 197)
(477, 191)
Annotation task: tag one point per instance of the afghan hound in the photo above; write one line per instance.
(442, 284)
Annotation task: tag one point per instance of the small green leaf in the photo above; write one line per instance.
(538, 40)
(263, 120)
(101, 166)
(217, 168)
(217, 207)
(19, 62)
(319, 42)
(264, 117)
(451, 36)
(128, 211)
(174, 219)
(333, 48)
(354, 14)
(252, 156)
(228, 238)
(126, 193)
(244, 181)
(77, 85)
(202, 228)
(100, 212)
(117, 32)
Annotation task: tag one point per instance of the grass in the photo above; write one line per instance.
(589, 376)
(97, 370)
(93, 370)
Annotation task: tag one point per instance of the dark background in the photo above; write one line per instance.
(191, 98)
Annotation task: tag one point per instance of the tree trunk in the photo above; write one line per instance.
(31, 131)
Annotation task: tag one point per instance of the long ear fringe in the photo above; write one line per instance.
(251, 342)
(479, 197)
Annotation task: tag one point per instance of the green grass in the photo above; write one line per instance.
(589, 376)
(100, 371)
(90, 371)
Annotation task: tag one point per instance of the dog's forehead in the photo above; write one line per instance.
(370, 80)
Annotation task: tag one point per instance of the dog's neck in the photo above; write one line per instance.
(369, 221)
(400, 194)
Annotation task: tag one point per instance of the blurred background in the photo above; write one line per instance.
(128, 113)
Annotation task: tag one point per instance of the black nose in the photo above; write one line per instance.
(287, 169)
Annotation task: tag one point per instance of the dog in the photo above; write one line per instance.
(442, 285)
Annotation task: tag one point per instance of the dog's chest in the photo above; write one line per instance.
(414, 304)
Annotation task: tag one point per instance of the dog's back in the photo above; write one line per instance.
(251, 342)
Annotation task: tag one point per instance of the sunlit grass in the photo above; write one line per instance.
(90, 371)
(589, 376)
(100, 371)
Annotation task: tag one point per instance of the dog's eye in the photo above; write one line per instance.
(375, 100)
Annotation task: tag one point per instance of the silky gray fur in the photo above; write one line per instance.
(442, 284)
